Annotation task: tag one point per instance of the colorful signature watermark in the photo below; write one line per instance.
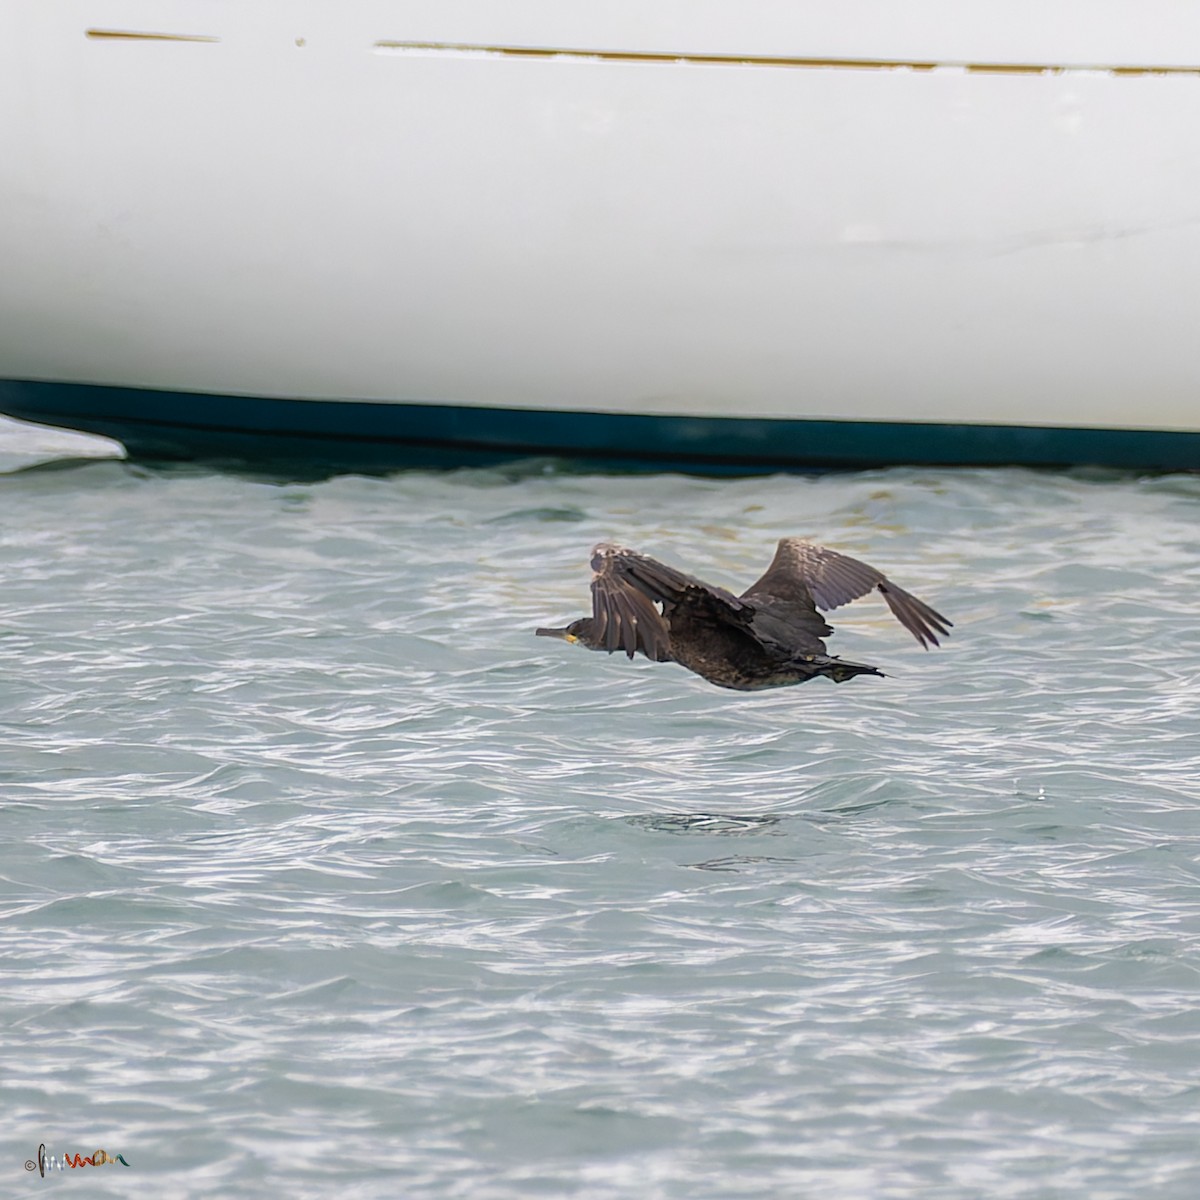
(48, 1162)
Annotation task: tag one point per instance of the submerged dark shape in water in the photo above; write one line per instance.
(769, 636)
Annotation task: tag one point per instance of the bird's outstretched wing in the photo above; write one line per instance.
(804, 574)
(627, 587)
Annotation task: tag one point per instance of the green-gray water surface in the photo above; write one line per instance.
(322, 876)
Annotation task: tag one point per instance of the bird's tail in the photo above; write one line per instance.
(838, 669)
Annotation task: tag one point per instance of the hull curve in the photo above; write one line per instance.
(775, 234)
(342, 435)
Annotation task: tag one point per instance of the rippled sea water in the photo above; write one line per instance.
(322, 876)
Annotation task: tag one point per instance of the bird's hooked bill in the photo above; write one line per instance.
(556, 633)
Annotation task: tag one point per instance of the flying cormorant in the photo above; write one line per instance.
(769, 636)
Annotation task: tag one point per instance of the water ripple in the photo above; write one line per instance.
(323, 873)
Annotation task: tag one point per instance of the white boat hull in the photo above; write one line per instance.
(974, 217)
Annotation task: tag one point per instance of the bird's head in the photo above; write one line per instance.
(582, 631)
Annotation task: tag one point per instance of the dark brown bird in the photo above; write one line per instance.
(769, 636)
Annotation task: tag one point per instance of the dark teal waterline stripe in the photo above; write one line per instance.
(367, 436)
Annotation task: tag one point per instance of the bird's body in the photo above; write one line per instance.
(770, 636)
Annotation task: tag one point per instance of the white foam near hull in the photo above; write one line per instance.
(983, 214)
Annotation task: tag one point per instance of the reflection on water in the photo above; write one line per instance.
(709, 823)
